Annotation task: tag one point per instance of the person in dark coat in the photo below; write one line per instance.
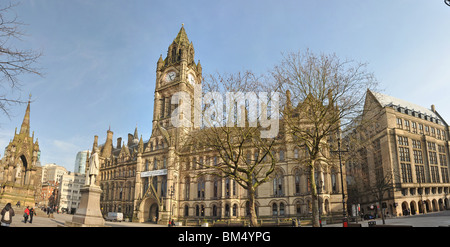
(7, 214)
(32, 213)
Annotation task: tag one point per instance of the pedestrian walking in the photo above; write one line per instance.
(18, 204)
(7, 214)
(26, 213)
(32, 213)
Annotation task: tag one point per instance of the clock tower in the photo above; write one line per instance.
(158, 165)
(178, 72)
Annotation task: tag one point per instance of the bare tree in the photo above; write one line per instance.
(13, 61)
(244, 155)
(369, 178)
(329, 94)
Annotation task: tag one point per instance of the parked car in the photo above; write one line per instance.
(368, 217)
(114, 216)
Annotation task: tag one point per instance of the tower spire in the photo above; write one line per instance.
(136, 133)
(25, 128)
(182, 36)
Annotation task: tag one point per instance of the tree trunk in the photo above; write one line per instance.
(315, 201)
(381, 211)
(252, 214)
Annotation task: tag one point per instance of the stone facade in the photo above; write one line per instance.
(158, 179)
(20, 172)
(409, 144)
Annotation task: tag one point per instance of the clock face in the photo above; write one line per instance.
(191, 79)
(170, 76)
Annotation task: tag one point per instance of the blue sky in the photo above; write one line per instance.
(100, 56)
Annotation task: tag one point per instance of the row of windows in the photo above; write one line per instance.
(406, 173)
(198, 162)
(419, 129)
(420, 174)
(228, 210)
(120, 173)
(213, 161)
(117, 193)
(404, 152)
(156, 165)
(278, 209)
(426, 191)
(231, 186)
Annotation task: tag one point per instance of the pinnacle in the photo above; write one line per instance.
(25, 128)
(182, 36)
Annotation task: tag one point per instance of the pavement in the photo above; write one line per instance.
(59, 220)
(434, 219)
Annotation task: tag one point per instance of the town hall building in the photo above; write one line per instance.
(157, 179)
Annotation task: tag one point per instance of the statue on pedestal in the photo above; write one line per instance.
(88, 212)
(94, 164)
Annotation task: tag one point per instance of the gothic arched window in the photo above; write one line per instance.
(216, 188)
(227, 210)
(174, 54)
(187, 188)
(297, 182)
(201, 188)
(274, 209)
(282, 209)
(278, 184)
(163, 186)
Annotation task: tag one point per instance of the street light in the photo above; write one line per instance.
(339, 151)
(319, 189)
(172, 192)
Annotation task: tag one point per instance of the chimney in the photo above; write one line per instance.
(95, 142)
(433, 108)
(109, 135)
(130, 139)
(119, 142)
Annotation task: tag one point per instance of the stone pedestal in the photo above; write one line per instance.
(88, 213)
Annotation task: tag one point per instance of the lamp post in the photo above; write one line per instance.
(172, 192)
(339, 151)
(319, 189)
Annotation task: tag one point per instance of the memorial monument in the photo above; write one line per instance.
(88, 213)
(20, 169)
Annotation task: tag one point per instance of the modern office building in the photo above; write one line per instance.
(80, 162)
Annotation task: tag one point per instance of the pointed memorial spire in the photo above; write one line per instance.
(25, 128)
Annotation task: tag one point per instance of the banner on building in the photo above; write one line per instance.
(154, 173)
